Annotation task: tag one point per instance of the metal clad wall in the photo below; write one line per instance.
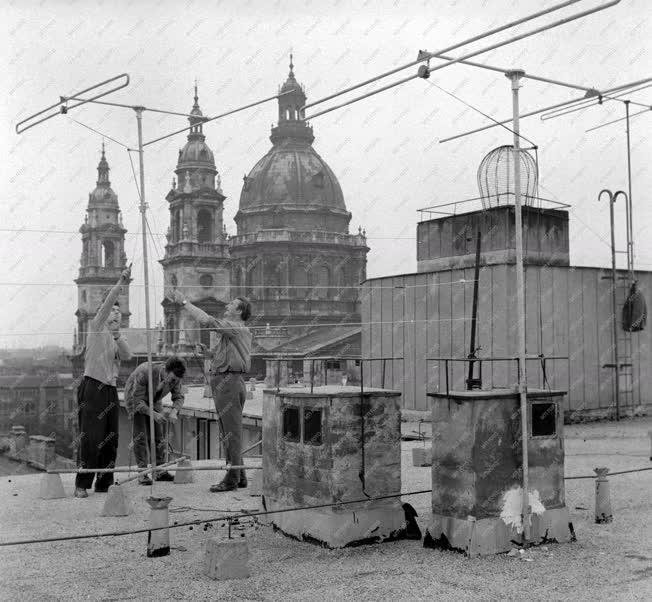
(431, 317)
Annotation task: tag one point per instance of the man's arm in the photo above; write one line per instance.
(105, 309)
(139, 394)
(176, 393)
(124, 353)
(203, 319)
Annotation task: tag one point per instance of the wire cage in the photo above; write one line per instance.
(496, 177)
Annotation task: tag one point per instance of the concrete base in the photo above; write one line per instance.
(226, 558)
(492, 536)
(422, 456)
(344, 526)
(255, 482)
(51, 487)
(181, 477)
(116, 503)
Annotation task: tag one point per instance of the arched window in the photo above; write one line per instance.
(176, 225)
(272, 279)
(107, 254)
(83, 296)
(323, 282)
(301, 282)
(204, 226)
(206, 280)
(173, 281)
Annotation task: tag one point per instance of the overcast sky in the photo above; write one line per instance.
(384, 150)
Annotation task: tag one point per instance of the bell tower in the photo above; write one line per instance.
(103, 256)
(196, 254)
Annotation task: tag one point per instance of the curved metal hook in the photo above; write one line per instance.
(611, 196)
(618, 193)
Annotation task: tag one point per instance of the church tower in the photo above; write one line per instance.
(196, 254)
(103, 256)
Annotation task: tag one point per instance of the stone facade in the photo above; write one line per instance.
(322, 448)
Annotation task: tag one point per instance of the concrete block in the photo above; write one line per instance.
(51, 487)
(422, 456)
(226, 559)
(181, 477)
(255, 482)
(116, 503)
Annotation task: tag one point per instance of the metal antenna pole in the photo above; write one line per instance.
(515, 77)
(630, 228)
(143, 211)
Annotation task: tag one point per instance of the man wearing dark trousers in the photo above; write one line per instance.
(97, 396)
(166, 378)
(231, 359)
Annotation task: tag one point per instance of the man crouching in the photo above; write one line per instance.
(166, 378)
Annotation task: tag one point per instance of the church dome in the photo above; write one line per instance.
(292, 172)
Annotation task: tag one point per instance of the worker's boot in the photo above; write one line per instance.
(243, 479)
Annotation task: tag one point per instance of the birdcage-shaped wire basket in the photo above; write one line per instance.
(496, 177)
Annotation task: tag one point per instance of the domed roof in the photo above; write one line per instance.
(292, 172)
(103, 193)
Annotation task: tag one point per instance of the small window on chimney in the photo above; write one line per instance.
(312, 427)
(544, 420)
(291, 431)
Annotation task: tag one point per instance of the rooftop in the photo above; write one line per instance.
(609, 561)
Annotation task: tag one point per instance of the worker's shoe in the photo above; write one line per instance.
(164, 476)
(80, 492)
(144, 480)
(243, 479)
(223, 486)
(101, 489)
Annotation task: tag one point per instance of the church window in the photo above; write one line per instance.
(204, 226)
(83, 296)
(176, 224)
(206, 280)
(301, 282)
(273, 279)
(107, 254)
(173, 280)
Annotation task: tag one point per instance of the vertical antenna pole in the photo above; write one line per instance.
(143, 211)
(630, 227)
(515, 77)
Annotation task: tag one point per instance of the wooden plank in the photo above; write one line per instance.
(409, 353)
(432, 379)
(444, 291)
(387, 343)
(557, 318)
(589, 318)
(577, 397)
(532, 324)
(605, 338)
(420, 317)
(397, 367)
(485, 324)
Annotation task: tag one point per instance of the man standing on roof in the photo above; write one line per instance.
(231, 360)
(97, 396)
(166, 378)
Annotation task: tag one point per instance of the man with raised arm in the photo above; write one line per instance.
(231, 360)
(97, 396)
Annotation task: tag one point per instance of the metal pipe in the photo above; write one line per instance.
(628, 201)
(515, 77)
(61, 110)
(143, 211)
(614, 306)
(427, 55)
(542, 110)
(597, 127)
(527, 75)
(471, 54)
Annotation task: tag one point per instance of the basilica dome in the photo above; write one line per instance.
(103, 195)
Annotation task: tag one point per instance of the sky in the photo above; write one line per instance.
(385, 150)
